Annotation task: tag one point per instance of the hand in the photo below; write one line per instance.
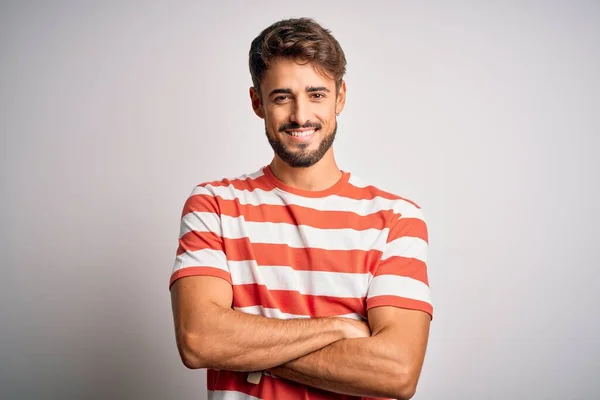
(354, 329)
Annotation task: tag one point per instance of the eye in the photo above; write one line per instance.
(280, 99)
(318, 96)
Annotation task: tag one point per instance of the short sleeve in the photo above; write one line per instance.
(400, 279)
(200, 250)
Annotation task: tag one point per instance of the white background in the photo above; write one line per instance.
(484, 113)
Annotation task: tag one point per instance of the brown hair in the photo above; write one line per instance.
(302, 39)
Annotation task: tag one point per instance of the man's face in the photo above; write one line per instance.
(299, 107)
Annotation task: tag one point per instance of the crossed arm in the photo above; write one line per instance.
(334, 354)
(386, 364)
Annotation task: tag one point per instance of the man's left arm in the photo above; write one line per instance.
(389, 362)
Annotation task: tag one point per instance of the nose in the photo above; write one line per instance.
(300, 111)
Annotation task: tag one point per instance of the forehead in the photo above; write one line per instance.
(286, 73)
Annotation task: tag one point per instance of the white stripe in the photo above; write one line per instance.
(333, 202)
(269, 312)
(200, 222)
(392, 285)
(251, 176)
(276, 313)
(202, 190)
(317, 283)
(361, 184)
(355, 316)
(406, 246)
(357, 182)
(302, 236)
(254, 175)
(229, 395)
(297, 236)
(257, 174)
(201, 258)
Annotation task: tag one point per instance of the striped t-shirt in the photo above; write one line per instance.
(291, 253)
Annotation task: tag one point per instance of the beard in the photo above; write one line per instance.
(301, 158)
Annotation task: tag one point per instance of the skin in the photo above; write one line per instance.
(383, 358)
(291, 98)
(208, 330)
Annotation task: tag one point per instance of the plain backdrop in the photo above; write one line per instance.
(485, 113)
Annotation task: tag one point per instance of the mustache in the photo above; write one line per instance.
(295, 125)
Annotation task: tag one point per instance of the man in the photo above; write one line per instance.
(300, 281)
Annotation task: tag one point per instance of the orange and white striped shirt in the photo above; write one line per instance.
(291, 253)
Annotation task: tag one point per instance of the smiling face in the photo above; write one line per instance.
(299, 106)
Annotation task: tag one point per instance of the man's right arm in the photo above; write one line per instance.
(212, 335)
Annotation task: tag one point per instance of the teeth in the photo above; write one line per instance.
(302, 134)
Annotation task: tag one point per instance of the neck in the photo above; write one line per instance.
(320, 176)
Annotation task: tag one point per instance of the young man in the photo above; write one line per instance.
(300, 281)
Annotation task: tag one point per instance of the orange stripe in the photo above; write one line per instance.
(306, 259)
(200, 202)
(302, 259)
(401, 302)
(194, 240)
(199, 271)
(291, 214)
(369, 193)
(401, 266)
(248, 184)
(349, 191)
(270, 388)
(311, 259)
(291, 302)
(413, 227)
(234, 381)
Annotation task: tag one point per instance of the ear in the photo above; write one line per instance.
(256, 103)
(340, 101)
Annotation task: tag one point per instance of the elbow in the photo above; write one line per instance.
(406, 385)
(198, 351)
(405, 393)
(192, 351)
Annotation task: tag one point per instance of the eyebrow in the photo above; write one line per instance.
(308, 89)
(316, 89)
(279, 91)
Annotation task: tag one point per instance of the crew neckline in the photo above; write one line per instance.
(306, 193)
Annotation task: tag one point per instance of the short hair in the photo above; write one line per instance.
(301, 39)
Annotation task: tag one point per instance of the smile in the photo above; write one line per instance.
(300, 133)
(303, 135)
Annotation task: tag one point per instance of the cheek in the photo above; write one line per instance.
(275, 119)
(279, 114)
(325, 112)
(271, 124)
(327, 119)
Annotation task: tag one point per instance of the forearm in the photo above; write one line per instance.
(358, 367)
(236, 341)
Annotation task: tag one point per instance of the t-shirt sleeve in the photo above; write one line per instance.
(400, 279)
(200, 250)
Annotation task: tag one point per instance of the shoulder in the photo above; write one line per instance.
(212, 196)
(388, 200)
(230, 185)
(403, 216)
